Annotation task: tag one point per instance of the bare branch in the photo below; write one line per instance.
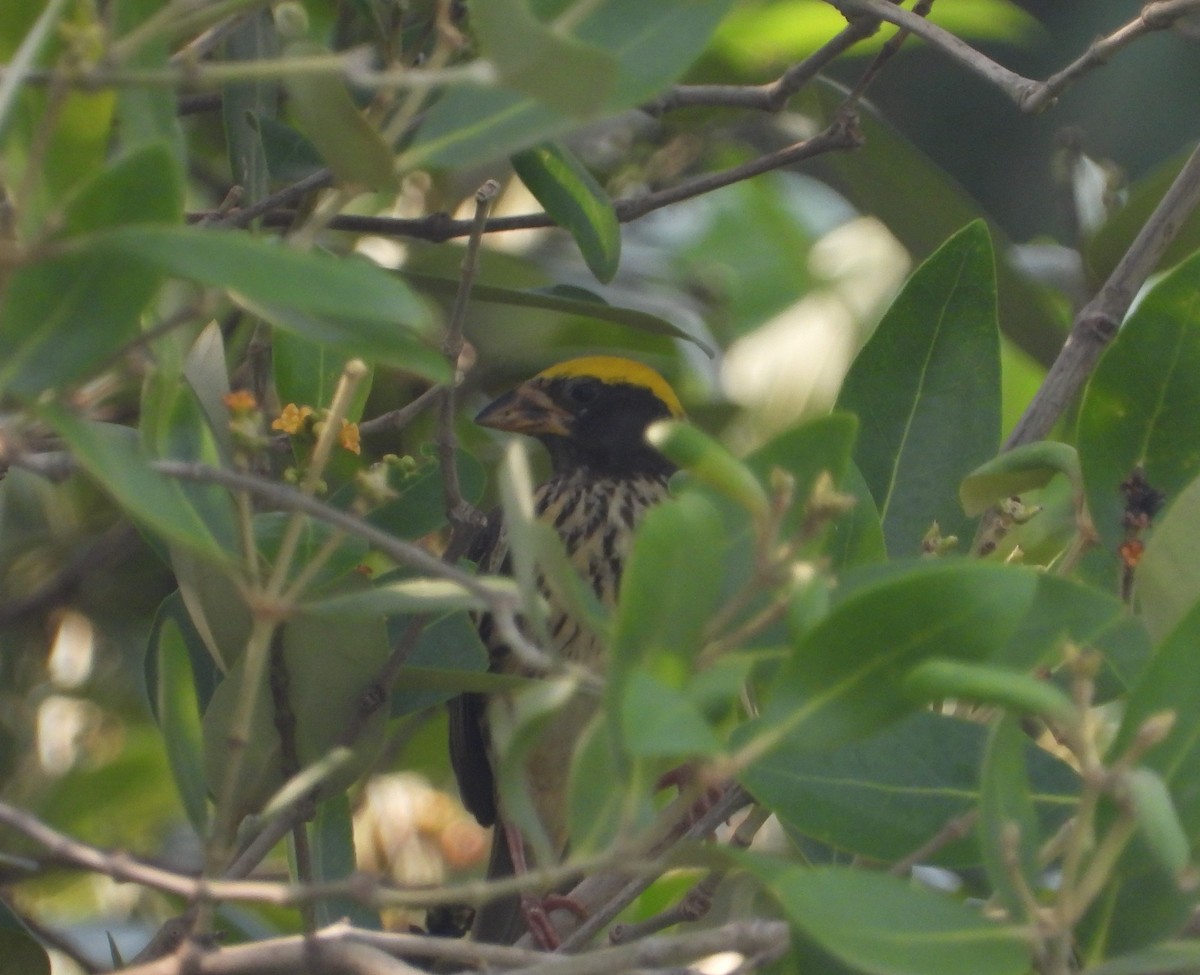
(1155, 16)
(361, 888)
(842, 134)
(605, 895)
(1029, 95)
(1098, 321)
(342, 948)
(770, 97)
(463, 516)
(291, 499)
(1014, 85)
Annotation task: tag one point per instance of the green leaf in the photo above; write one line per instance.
(759, 37)
(569, 300)
(1165, 686)
(113, 457)
(1015, 471)
(1139, 408)
(202, 670)
(1062, 609)
(419, 506)
(842, 680)
(144, 186)
(179, 716)
(599, 815)
(266, 272)
(330, 663)
(447, 656)
(659, 721)
(21, 951)
(653, 44)
(889, 178)
(938, 679)
(1157, 819)
(926, 389)
(1164, 958)
(539, 557)
(244, 103)
(175, 427)
(1009, 832)
(881, 924)
(63, 317)
(25, 57)
(146, 114)
(670, 587)
(307, 373)
(1168, 576)
(710, 463)
(406, 596)
(558, 70)
(888, 795)
(1112, 240)
(270, 527)
(332, 834)
(571, 195)
(290, 157)
(206, 373)
(351, 146)
(857, 536)
(1143, 902)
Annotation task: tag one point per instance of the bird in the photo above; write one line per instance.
(591, 415)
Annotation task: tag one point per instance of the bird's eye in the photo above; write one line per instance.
(582, 391)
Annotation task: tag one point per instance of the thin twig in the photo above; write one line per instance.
(289, 498)
(889, 50)
(773, 96)
(396, 420)
(318, 180)
(1098, 321)
(458, 509)
(1029, 95)
(289, 766)
(697, 902)
(841, 135)
(1152, 17)
(367, 889)
(1011, 83)
(343, 948)
(953, 831)
(606, 895)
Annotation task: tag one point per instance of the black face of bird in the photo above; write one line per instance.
(584, 423)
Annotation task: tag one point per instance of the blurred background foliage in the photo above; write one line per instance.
(787, 274)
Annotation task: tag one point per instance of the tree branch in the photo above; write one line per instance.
(1099, 320)
(342, 948)
(772, 96)
(1029, 95)
(605, 895)
(840, 135)
(463, 516)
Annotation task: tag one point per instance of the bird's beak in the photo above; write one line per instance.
(529, 410)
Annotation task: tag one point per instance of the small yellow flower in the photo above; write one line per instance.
(241, 401)
(291, 420)
(349, 437)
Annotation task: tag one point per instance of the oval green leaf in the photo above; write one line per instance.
(926, 389)
(881, 924)
(571, 195)
(353, 148)
(842, 680)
